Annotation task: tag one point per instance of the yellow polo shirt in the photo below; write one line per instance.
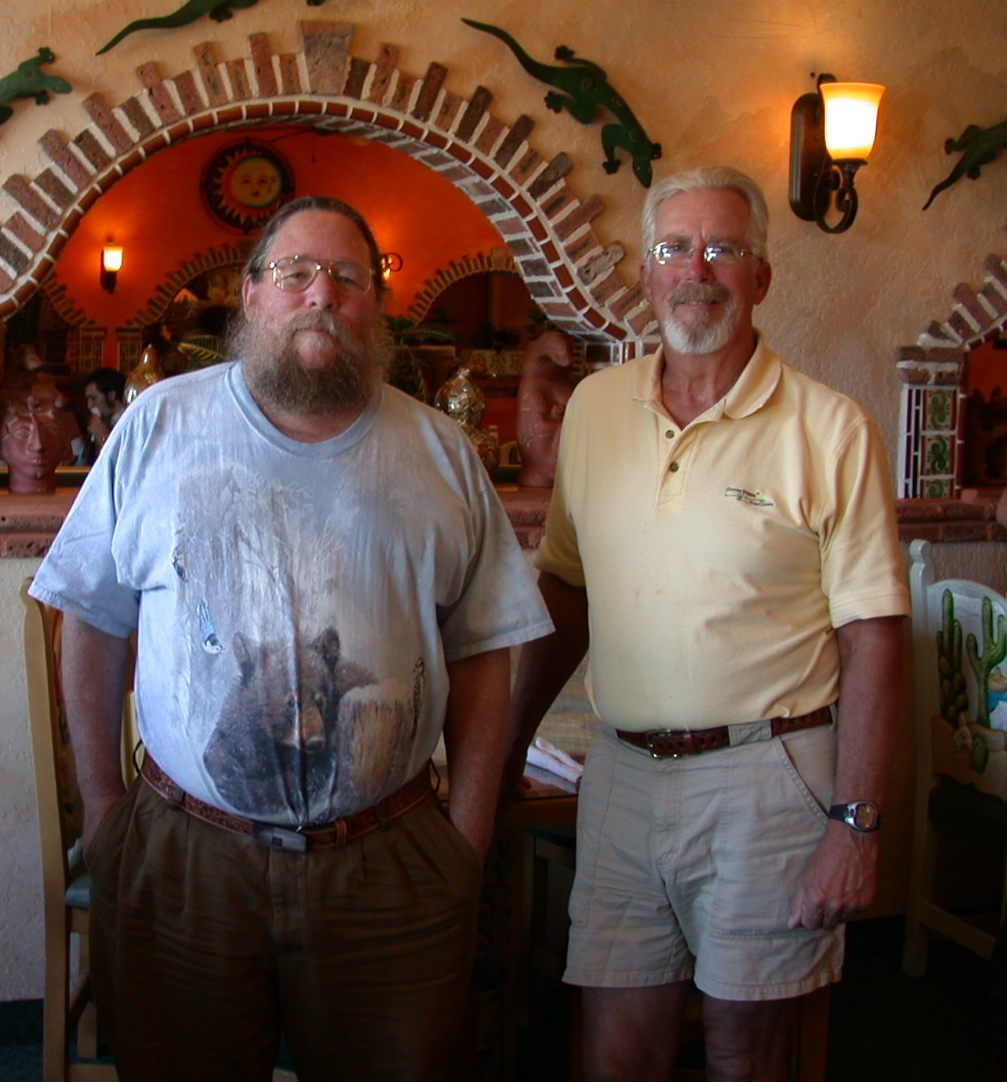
(719, 558)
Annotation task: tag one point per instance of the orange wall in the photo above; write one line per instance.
(157, 213)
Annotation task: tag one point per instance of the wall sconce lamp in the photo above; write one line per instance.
(111, 264)
(831, 136)
(390, 262)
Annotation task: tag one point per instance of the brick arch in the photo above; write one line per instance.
(933, 375)
(224, 256)
(498, 260)
(573, 277)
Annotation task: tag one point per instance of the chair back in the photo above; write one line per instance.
(960, 658)
(60, 812)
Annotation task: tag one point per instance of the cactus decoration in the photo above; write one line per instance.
(994, 651)
(954, 694)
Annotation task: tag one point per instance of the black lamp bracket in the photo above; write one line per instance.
(814, 176)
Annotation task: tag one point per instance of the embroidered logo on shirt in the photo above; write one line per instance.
(742, 495)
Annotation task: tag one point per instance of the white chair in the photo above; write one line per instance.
(960, 667)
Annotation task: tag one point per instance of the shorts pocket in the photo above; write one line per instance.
(809, 761)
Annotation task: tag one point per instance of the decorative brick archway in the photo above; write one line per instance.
(498, 260)
(933, 376)
(572, 276)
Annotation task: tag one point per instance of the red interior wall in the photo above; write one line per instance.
(157, 213)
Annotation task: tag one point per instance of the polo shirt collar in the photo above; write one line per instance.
(757, 382)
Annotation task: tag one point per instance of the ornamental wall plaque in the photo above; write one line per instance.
(245, 183)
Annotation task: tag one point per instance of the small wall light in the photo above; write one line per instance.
(831, 136)
(390, 262)
(111, 264)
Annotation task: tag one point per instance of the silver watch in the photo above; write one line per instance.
(862, 815)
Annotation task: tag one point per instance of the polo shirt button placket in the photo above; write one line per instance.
(670, 483)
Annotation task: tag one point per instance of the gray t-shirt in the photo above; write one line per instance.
(296, 603)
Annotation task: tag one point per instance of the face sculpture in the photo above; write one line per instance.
(33, 442)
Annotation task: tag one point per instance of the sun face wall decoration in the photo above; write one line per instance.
(244, 184)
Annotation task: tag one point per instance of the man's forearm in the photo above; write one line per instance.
(475, 736)
(841, 877)
(870, 703)
(546, 664)
(94, 670)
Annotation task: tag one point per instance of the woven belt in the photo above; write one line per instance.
(331, 835)
(674, 743)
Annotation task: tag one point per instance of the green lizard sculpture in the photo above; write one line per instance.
(582, 89)
(979, 147)
(218, 10)
(28, 80)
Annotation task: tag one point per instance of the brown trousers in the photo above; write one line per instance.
(205, 943)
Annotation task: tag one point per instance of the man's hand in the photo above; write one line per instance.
(97, 808)
(839, 881)
(97, 429)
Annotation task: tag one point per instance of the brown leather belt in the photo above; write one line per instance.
(331, 835)
(674, 743)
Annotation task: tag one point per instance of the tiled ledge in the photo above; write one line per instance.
(949, 520)
(28, 523)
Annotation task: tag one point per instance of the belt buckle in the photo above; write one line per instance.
(649, 741)
(279, 838)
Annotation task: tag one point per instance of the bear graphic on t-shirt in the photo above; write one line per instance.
(274, 747)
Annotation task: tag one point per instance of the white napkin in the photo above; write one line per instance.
(547, 756)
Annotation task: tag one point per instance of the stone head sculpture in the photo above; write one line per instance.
(33, 442)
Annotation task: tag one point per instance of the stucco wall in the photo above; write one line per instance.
(712, 80)
(21, 966)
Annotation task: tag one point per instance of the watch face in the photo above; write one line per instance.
(864, 816)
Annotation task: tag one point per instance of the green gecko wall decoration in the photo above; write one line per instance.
(218, 10)
(581, 89)
(978, 147)
(28, 80)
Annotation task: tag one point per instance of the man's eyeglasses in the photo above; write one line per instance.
(295, 273)
(679, 252)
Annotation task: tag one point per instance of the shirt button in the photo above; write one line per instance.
(673, 467)
(670, 434)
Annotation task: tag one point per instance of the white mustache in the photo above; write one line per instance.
(319, 321)
(699, 293)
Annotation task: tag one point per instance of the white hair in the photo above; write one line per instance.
(711, 178)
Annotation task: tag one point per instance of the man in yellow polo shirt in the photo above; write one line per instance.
(722, 533)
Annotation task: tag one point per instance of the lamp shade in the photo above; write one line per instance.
(851, 118)
(111, 257)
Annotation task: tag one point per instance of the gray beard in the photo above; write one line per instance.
(274, 373)
(700, 341)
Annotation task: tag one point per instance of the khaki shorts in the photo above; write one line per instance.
(687, 868)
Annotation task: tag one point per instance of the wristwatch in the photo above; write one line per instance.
(862, 815)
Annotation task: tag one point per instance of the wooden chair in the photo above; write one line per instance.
(959, 651)
(66, 885)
